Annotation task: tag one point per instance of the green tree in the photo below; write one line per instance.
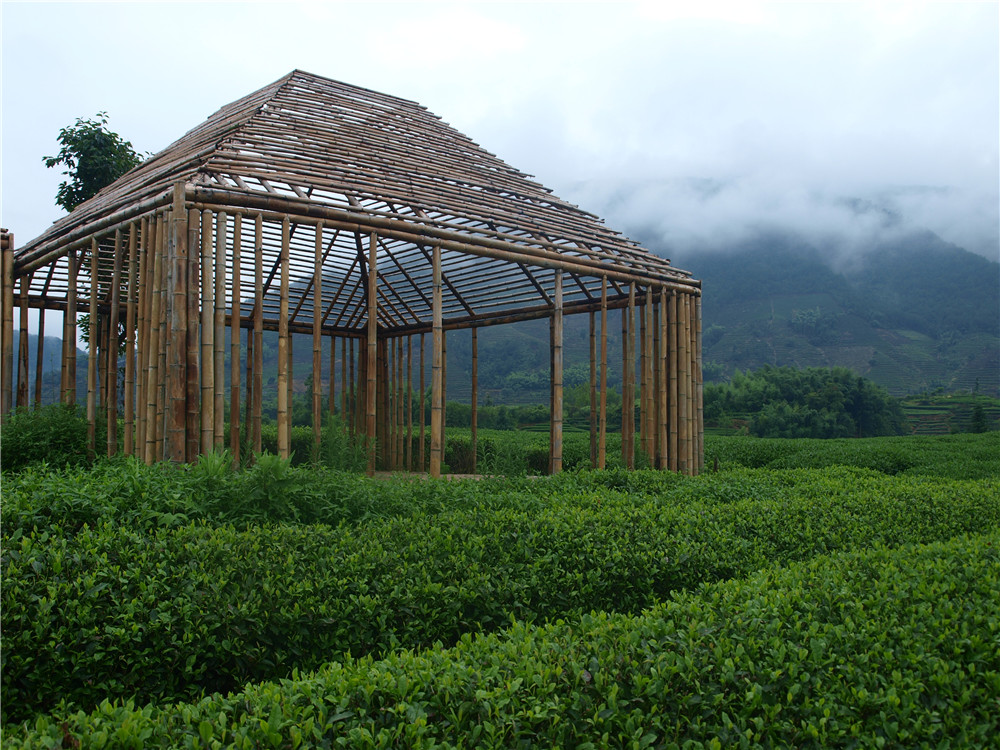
(94, 157)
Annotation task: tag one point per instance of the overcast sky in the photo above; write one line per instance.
(694, 122)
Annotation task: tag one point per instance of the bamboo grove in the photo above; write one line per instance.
(321, 210)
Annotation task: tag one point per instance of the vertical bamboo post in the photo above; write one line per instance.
(131, 303)
(444, 390)
(602, 413)
(593, 390)
(235, 339)
(317, 340)
(682, 384)
(7, 356)
(142, 341)
(556, 448)
(284, 437)
(332, 394)
(399, 404)
(164, 328)
(258, 335)
(344, 388)
(207, 335)
(219, 342)
(92, 352)
(372, 359)
(39, 358)
(69, 336)
(22, 344)
(663, 384)
(409, 403)
(649, 407)
(245, 428)
(291, 372)
(116, 280)
(643, 382)
(700, 388)
(673, 407)
(355, 396)
(628, 378)
(423, 419)
(475, 398)
(436, 367)
(192, 378)
(176, 344)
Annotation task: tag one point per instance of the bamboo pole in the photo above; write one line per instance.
(69, 333)
(7, 357)
(602, 416)
(355, 397)
(92, 352)
(700, 388)
(663, 385)
(221, 250)
(331, 405)
(22, 344)
(398, 391)
(207, 336)
(131, 303)
(423, 419)
(475, 398)
(193, 364)
(284, 437)
(682, 385)
(436, 367)
(643, 382)
(317, 340)
(162, 375)
(39, 358)
(674, 406)
(176, 342)
(409, 403)
(116, 280)
(557, 376)
(628, 381)
(372, 364)
(258, 336)
(444, 388)
(235, 339)
(142, 341)
(344, 388)
(593, 389)
(245, 428)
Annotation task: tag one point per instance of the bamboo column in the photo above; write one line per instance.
(131, 303)
(142, 341)
(556, 448)
(163, 323)
(192, 377)
(69, 333)
(317, 333)
(116, 280)
(245, 430)
(258, 336)
(383, 404)
(284, 436)
(92, 352)
(682, 385)
(602, 415)
(593, 390)
(436, 367)
(39, 358)
(400, 422)
(663, 385)
(649, 406)
(22, 345)
(219, 414)
(700, 388)
(7, 302)
(475, 398)
(409, 403)
(331, 405)
(344, 389)
(235, 339)
(628, 380)
(643, 381)
(207, 335)
(177, 331)
(673, 406)
(372, 359)
(423, 419)
(355, 397)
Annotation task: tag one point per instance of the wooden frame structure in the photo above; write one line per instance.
(319, 208)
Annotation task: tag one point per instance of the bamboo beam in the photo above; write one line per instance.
(193, 365)
(284, 436)
(131, 304)
(317, 341)
(221, 250)
(116, 280)
(372, 364)
(92, 352)
(556, 448)
(22, 345)
(235, 339)
(39, 358)
(258, 337)
(207, 336)
(475, 397)
(7, 356)
(602, 416)
(436, 367)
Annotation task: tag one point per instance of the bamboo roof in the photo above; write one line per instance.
(314, 149)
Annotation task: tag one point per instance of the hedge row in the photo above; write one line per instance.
(168, 613)
(881, 648)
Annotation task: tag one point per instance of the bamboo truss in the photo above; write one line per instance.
(315, 208)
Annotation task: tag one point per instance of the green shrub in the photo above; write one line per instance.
(881, 648)
(55, 435)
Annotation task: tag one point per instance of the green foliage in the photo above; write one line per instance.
(881, 647)
(812, 403)
(93, 156)
(55, 435)
(169, 610)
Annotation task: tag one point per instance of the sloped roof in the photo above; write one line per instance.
(309, 144)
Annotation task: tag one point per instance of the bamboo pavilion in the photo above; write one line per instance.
(322, 209)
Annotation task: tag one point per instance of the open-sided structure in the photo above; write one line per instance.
(315, 207)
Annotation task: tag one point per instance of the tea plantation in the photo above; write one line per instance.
(806, 594)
